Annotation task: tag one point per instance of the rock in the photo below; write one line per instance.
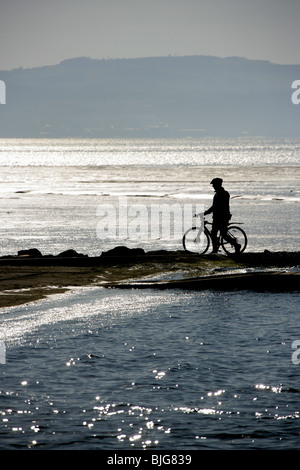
(124, 251)
(32, 253)
(70, 254)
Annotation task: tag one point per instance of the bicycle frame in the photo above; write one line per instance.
(210, 223)
(238, 234)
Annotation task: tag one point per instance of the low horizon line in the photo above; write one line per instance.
(108, 58)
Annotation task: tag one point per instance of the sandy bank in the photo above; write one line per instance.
(30, 275)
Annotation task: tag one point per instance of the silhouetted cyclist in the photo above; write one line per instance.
(220, 210)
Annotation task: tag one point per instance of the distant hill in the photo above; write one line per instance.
(152, 97)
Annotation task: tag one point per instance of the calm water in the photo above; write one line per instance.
(110, 369)
(99, 369)
(50, 189)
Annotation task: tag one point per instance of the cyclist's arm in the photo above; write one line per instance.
(209, 211)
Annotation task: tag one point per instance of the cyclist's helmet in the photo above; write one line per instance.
(217, 181)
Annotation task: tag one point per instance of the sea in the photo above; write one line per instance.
(132, 370)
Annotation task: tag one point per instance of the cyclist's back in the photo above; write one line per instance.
(220, 210)
(220, 207)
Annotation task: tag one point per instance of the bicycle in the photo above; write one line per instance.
(198, 239)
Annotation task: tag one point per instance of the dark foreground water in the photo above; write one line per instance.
(105, 369)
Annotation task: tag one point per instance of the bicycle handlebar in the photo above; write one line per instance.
(201, 216)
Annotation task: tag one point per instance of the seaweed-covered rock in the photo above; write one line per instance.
(32, 253)
(124, 251)
(70, 254)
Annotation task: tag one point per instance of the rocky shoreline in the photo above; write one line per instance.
(30, 275)
(123, 254)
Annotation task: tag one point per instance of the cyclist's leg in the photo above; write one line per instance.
(227, 237)
(214, 236)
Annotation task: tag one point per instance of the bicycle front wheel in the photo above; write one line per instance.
(235, 235)
(196, 240)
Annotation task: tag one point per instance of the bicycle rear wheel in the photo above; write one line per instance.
(237, 235)
(196, 240)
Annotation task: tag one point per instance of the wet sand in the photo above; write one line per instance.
(26, 278)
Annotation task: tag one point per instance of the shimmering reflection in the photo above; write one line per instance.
(81, 304)
(93, 152)
(105, 369)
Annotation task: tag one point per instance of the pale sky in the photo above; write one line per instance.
(34, 33)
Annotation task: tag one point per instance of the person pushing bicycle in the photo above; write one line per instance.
(220, 210)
